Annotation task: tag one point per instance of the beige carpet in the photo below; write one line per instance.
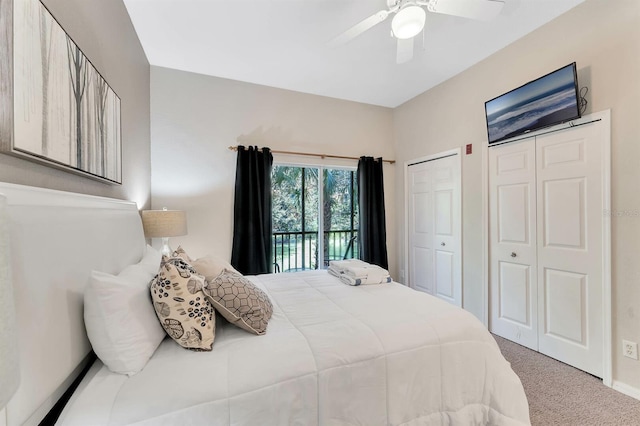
(559, 394)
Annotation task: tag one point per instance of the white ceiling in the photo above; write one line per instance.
(283, 43)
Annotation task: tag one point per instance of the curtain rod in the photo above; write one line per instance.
(308, 154)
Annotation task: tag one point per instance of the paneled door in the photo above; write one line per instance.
(434, 228)
(547, 273)
(421, 228)
(570, 267)
(513, 277)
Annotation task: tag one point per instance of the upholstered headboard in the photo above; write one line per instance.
(56, 239)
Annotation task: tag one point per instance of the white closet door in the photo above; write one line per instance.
(570, 224)
(434, 209)
(446, 229)
(420, 228)
(513, 274)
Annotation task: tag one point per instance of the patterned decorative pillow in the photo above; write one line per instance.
(181, 306)
(179, 252)
(240, 301)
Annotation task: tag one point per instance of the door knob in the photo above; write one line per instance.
(442, 244)
(513, 254)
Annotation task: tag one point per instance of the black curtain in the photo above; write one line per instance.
(251, 251)
(372, 233)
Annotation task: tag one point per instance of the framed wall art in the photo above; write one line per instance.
(61, 111)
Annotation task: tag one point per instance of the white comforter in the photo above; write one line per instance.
(332, 355)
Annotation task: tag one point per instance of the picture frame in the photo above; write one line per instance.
(59, 110)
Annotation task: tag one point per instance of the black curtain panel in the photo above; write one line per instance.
(251, 251)
(372, 233)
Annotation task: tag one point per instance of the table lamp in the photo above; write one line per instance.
(164, 224)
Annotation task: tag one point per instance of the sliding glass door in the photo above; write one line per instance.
(304, 204)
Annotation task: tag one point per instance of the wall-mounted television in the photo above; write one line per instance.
(549, 100)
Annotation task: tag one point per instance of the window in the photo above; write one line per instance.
(303, 205)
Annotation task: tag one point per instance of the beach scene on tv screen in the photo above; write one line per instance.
(541, 103)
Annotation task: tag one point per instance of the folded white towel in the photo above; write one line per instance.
(333, 271)
(356, 272)
(363, 281)
(373, 272)
(341, 265)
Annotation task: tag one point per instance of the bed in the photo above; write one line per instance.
(332, 354)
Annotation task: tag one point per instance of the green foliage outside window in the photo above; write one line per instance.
(295, 210)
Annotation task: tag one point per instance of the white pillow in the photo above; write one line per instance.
(211, 266)
(208, 266)
(121, 323)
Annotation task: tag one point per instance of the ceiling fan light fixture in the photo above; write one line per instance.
(408, 22)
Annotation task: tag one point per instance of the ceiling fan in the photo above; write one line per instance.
(410, 17)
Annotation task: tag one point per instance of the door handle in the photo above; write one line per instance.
(513, 254)
(442, 244)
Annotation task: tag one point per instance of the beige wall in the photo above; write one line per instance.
(194, 118)
(603, 37)
(105, 34)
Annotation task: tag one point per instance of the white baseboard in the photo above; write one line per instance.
(626, 389)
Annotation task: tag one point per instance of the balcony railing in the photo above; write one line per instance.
(297, 251)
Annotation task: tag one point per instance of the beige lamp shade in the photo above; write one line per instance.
(164, 223)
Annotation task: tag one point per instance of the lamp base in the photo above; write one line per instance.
(166, 250)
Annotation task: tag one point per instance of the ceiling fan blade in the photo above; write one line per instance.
(405, 50)
(359, 28)
(482, 10)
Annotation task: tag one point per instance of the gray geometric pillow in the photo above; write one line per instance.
(240, 301)
(181, 306)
